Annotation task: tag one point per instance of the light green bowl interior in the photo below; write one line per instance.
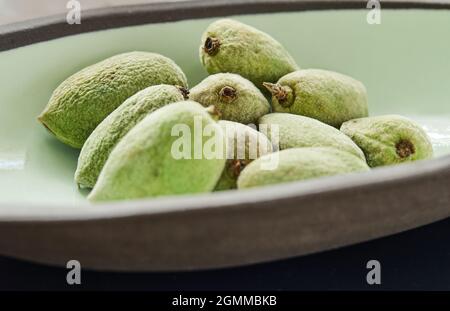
(404, 63)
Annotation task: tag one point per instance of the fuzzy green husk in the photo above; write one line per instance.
(236, 98)
(300, 164)
(327, 96)
(244, 144)
(298, 131)
(86, 98)
(231, 46)
(390, 139)
(107, 134)
(143, 163)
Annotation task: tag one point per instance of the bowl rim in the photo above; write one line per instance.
(46, 28)
(382, 177)
(52, 27)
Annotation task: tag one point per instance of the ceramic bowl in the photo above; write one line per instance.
(45, 218)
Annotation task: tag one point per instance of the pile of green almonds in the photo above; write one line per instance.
(122, 113)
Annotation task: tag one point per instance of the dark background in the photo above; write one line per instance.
(415, 260)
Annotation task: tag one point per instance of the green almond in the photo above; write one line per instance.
(389, 139)
(105, 137)
(231, 46)
(292, 131)
(299, 164)
(235, 98)
(150, 160)
(327, 96)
